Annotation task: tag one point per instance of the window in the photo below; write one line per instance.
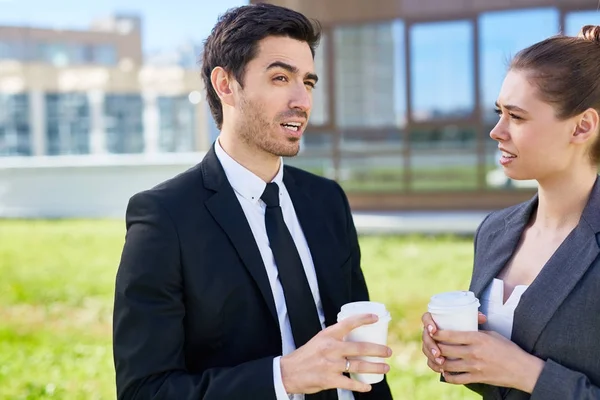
(105, 55)
(369, 66)
(15, 131)
(319, 114)
(12, 50)
(177, 124)
(123, 123)
(54, 53)
(68, 123)
(574, 21)
(499, 44)
(315, 154)
(442, 70)
(443, 158)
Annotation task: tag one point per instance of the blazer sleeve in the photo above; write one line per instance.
(557, 382)
(478, 388)
(148, 320)
(381, 390)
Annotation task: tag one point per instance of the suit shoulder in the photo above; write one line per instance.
(496, 219)
(305, 177)
(174, 189)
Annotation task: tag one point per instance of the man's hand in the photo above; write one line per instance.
(320, 363)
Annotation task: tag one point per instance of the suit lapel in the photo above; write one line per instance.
(319, 238)
(226, 210)
(558, 277)
(497, 248)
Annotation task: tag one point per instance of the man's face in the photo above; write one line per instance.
(273, 107)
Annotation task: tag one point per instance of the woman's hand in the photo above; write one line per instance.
(486, 357)
(435, 360)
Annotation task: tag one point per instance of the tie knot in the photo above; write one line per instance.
(271, 195)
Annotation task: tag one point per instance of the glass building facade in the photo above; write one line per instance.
(408, 102)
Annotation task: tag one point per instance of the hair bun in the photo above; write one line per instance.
(591, 33)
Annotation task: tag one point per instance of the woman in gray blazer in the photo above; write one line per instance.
(537, 264)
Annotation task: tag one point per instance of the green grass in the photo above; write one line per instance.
(56, 296)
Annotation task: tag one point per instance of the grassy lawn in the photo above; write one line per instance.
(56, 296)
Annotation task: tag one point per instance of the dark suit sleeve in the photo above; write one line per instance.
(381, 390)
(148, 321)
(557, 382)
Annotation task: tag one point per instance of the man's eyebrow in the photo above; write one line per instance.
(293, 70)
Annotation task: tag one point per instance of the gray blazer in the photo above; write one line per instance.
(558, 317)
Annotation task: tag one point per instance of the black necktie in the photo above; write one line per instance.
(301, 308)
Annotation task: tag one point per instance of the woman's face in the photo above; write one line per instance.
(534, 143)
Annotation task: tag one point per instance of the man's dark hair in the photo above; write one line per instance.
(233, 42)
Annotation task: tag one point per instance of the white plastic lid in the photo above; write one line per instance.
(364, 307)
(452, 300)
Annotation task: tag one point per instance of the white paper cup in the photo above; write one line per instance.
(373, 333)
(455, 311)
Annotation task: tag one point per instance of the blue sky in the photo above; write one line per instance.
(165, 23)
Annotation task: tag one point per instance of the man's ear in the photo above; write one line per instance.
(222, 83)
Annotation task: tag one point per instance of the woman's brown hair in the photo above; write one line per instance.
(566, 71)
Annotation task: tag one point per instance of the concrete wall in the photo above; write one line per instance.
(82, 187)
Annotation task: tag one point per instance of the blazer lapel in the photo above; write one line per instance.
(226, 210)
(559, 276)
(319, 238)
(497, 248)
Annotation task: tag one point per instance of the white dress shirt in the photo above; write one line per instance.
(248, 188)
(500, 315)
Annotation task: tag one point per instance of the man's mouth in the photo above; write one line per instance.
(292, 126)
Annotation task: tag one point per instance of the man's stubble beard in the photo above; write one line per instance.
(255, 131)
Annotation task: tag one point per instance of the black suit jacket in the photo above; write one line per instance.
(558, 317)
(194, 315)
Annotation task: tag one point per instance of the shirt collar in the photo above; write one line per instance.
(243, 181)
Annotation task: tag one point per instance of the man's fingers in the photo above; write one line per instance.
(362, 349)
(345, 326)
(364, 367)
(343, 382)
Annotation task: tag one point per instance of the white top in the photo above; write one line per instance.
(500, 315)
(248, 189)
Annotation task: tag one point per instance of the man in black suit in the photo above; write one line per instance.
(233, 272)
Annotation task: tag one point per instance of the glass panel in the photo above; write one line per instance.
(54, 53)
(123, 119)
(499, 44)
(442, 70)
(319, 115)
(443, 158)
(105, 54)
(177, 124)
(372, 160)
(68, 123)
(385, 140)
(12, 50)
(574, 21)
(369, 65)
(15, 131)
(315, 155)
